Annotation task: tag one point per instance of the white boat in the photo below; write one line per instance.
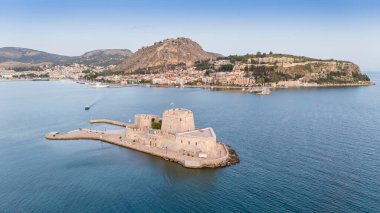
(264, 91)
(100, 85)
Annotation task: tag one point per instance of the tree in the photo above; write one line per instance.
(275, 78)
(226, 68)
(261, 80)
(258, 53)
(156, 125)
(270, 53)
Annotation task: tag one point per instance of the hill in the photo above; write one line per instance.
(13, 57)
(24, 55)
(104, 56)
(163, 54)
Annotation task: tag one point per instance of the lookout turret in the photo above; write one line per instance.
(177, 120)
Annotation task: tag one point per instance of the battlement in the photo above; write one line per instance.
(181, 112)
(177, 120)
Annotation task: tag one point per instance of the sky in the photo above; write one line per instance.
(339, 29)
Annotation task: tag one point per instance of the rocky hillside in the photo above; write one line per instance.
(104, 57)
(24, 55)
(283, 67)
(165, 53)
(323, 71)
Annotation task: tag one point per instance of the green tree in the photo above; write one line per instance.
(275, 78)
(156, 125)
(226, 68)
(261, 80)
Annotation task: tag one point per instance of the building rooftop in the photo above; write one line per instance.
(206, 133)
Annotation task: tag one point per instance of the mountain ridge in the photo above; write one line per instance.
(34, 57)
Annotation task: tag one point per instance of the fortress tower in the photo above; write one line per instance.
(177, 120)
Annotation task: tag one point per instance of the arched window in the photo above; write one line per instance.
(196, 143)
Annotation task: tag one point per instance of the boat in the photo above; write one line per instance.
(264, 91)
(100, 85)
(40, 79)
(87, 107)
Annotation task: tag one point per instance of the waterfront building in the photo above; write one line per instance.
(177, 133)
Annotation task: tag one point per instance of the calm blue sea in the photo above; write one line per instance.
(301, 150)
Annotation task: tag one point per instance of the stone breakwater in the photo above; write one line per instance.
(228, 155)
(106, 121)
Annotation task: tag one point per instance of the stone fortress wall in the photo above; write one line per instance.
(177, 133)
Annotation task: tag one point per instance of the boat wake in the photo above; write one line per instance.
(92, 103)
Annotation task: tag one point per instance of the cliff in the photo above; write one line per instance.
(282, 67)
(324, 71)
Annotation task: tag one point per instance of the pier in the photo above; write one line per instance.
(106, 121)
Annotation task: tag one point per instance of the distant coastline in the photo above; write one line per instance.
(182, 62)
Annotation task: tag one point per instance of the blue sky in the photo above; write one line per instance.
(340, 29)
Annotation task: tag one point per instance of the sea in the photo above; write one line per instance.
(301, 150)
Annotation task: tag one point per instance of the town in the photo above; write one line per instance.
(249, 71)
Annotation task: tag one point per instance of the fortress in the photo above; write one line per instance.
(177, 133)
(173, 137)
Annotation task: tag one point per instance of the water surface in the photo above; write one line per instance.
(300, 150)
